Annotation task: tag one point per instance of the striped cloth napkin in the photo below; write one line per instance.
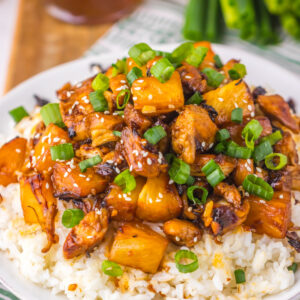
(160, 22)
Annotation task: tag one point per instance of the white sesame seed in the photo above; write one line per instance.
(281, 196)
(157, 200)
(171, 181)
(150, 97)
(171, 106)
(190, 209)
(221, 99)
(137, 88)
(56, 139)
(47, 185)
(160, 195)
(81, 175)
(140, 165)
(210, 146)
(249, 161)
(102, 120)
(68, 94)
(89, 237)
(118, 170)
(130, 168)
(149, 161)
(177, 239)
(150, 200)
(252, 114)
(262, 201)
(120, 196)
(88, 179)
(248, 169)
(106, 112)
(195, 239)
(246, 194)
(140, 80)
(135, 152)
(18, 150)
(235, 104)
(49, 169)
(66, 174)
(249, 107)
(188, 76)
(145, 153)
(203, 144)
(123, 87)
(134, 98)
(245, 101)
(259, 170)
(123, 81)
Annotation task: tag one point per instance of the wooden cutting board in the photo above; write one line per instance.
(41, 42)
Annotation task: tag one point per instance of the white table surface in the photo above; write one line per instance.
(8, 16)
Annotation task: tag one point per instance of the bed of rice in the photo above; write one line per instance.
(260, 256)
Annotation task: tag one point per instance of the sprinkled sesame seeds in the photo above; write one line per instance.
(171, 181)
(134, 98)
(281, 196)
(66, 174)
(123, 81)
(88, 179)
(252, 114)
(149, 161)
(262, 201)
(140, 80)
(177, 239)
(139, 165)
(47, 185)
(150, 97)
(245, 101)
(56, 139)
(259, 170)
(171, 106)
(102, 120)
(195, 239)
(130, 168)
(160, 195)
(221, 99)
(18, 150)
(137, 88)
(190, 209)
(188, 76)
(250, 107)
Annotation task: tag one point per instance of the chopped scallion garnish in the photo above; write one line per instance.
(162, 70)
(237, 71)
(98, 101)
(155, 134)
(273, 138)
(117, 133)
(262, 150)
(111, 268)
(214, 78)
(126, 94)
(257, 186)
(18, 113)
(62, 152)
(90, 162)
(218, 62)
(126, 181)
(251, 133)
(237, 115)
(293, 267)
(72, 217)
(214, 174)
(190, 194)
(280, 161)
(100, 83)
(196, 56)
(222, 135)
(181, 52)
(195, 99)
(190, 181)
(234, 150)
(186, 268)
(141, 53)
(239, 275)
(119, 67)
(179, 171)
(51, 114)
(134, 74)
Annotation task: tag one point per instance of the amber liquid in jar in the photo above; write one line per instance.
(90, 11)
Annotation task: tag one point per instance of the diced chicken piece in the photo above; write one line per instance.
(191, 79)
(70, 182)
(138, 246)
(229, 192)
(270, 217)
(281, 180)
(182, 232)
(228, 97)
(225, 218)
(153, 97)
(86, 151)
(122, 206)
(193, 131)
(158, 201)
(102, 127)
(87, 234)
(226, 163)
(12, 157)
(244, 168)
(287, 146)
(39, 205)
(295, 175)
(276, 108)
(41, 159)
(142, 161)
(134, 119)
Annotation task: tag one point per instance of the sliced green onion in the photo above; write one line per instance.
(117, 133)
(257, 186)
(273, 138)
(62, 152)
(237, 115)
(261, 151)
(126, 94)
(100, 83)
(98, 101)
(72, 217)
(18, 113)
(134, 74)
(238, 71)
(214, 174)
(269, 161)
(195, 99)
(90, 162)
(179, 171)
(155, 134)
(169, 157)
(51, 114)
(197, 55)
(126, 181)
(254, 128)
(190, 194)
(186, 254)
(239, 275)
(111, 268)
(141, 53)
(120, 67)
(222, 135)
(220, 148)
(162, 70)
(167, 55)
(214, 78)
(218, 62)
(190, 181)
(181, 52)
(293, 267)
(234, 150)
(209, 167)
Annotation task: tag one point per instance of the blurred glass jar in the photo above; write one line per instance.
(89, 11)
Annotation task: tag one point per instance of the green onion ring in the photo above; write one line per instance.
(269, 162)
(111, 268)
(189, 267)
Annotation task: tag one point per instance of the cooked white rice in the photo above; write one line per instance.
(260, 256)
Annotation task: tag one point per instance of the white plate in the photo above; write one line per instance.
(260, 72)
